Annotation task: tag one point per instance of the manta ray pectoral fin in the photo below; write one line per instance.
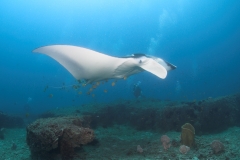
(154, 67)
(82, 63)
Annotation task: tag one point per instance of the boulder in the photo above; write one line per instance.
(46, 137)
(7, 121)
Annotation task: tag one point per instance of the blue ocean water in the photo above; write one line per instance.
(201, 37)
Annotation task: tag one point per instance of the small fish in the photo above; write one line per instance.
(50, 95)
(93, 95)
(125, 78)
(105, 91)
(94, 86)
(27, 115)
(113, 83)
(45, 88)
(80, 92)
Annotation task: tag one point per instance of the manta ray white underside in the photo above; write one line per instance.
(94, 66)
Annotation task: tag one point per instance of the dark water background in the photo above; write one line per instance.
(200, 37)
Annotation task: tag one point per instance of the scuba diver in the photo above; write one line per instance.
(137, 91)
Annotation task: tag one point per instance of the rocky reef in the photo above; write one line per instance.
(56, 138)
(207, 116)
(7, 121)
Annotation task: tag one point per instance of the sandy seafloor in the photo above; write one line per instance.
(120, 142)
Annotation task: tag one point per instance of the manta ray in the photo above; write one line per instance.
(92, 66)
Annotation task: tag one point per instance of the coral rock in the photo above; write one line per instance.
(217, 146)
(7, 121)
(63, 133)
(139, 149)
(165, 142)
(184, 149)
(187, 135)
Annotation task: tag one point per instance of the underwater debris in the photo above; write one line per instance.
(187, 134)
(165, 142)
(217, 146)
(61, 133)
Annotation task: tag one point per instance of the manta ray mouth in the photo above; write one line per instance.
(166, 64)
